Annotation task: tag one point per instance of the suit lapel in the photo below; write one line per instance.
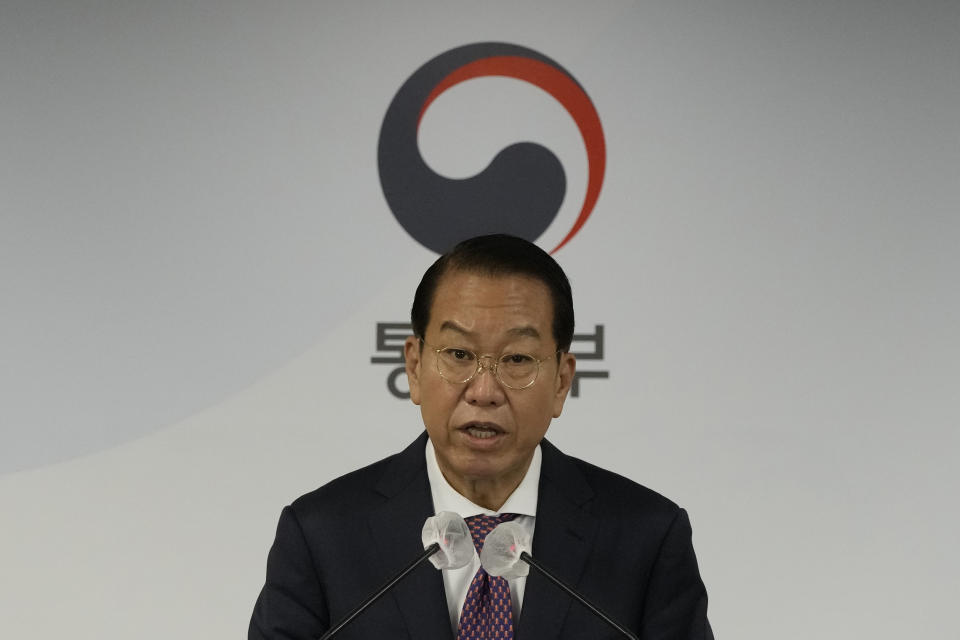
(395, 528)
(562, 541)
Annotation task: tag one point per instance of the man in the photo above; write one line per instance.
(489, 366)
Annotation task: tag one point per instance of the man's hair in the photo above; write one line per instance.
(499, 255)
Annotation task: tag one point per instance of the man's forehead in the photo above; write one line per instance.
(520, 331)
(453, 281)
(464, 288)
(519, 303)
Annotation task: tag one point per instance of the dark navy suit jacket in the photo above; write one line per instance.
(621, 545)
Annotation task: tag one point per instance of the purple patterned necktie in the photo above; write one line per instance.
(488, 610)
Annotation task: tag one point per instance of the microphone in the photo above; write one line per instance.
(447, 544)
(506, 553)
(450, 531)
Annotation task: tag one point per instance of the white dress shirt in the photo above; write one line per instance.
(522, 501)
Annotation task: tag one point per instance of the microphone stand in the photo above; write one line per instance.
(427, 552)
(526, 557)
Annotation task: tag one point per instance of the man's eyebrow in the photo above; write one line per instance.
(450, 325)
(524, 332)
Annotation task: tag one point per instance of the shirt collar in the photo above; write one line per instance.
(522, 501)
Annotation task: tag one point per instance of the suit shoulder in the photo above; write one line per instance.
(346, 493)
(613, 491)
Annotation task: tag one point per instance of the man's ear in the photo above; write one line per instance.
(412, 353)
(565, 371)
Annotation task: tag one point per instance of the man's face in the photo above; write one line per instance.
(482, 430)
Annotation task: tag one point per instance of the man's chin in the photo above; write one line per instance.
(489, 468)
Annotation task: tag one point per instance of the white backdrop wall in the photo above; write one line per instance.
(195, 251)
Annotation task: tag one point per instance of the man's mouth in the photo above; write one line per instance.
(482, 430)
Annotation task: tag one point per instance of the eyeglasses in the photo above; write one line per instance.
(514, 370)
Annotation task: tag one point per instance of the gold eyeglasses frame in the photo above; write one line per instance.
(493, 367)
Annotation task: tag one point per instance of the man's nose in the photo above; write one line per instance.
(485, 388)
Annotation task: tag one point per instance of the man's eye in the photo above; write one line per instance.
(517, 358)
(459, 354)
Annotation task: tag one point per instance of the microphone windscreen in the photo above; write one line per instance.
(502, 549)
(451, 532)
